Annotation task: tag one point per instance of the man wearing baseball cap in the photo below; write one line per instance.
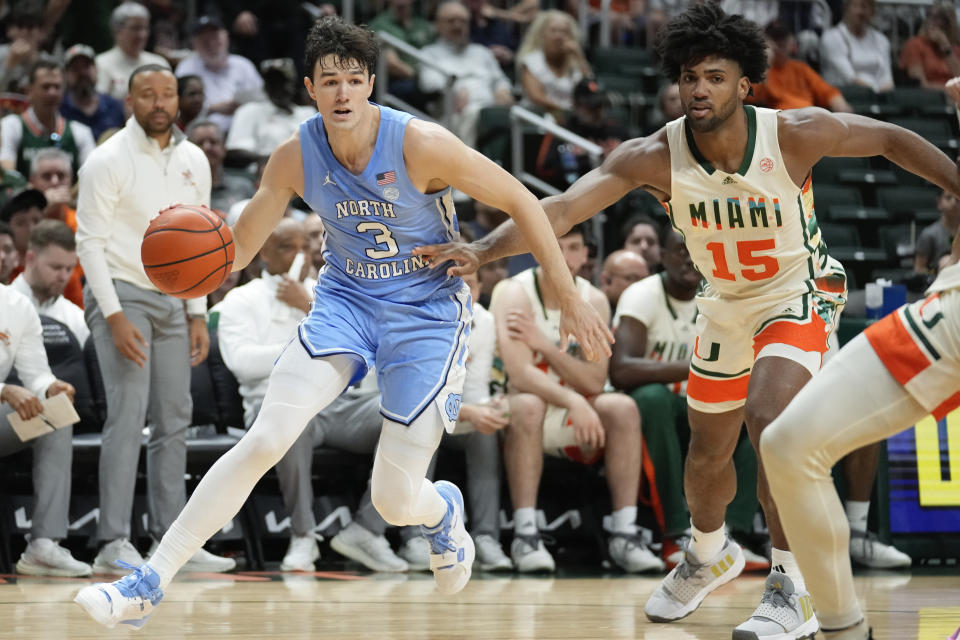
(82, 102)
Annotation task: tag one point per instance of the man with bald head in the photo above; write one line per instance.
(146, 341)
(621, 269)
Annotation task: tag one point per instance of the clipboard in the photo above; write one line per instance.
(58, 412)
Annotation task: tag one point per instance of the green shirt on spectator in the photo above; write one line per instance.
(418, 34)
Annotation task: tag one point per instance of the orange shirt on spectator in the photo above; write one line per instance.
(792, 86)
(919, 49)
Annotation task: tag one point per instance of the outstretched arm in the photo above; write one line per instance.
(636, 163)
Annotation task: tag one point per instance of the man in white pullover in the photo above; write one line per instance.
(145, 343)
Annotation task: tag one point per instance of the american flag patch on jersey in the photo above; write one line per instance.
(387, 177)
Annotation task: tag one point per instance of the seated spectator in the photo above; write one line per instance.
(41, 126)
(228, 80)
(401, 21)
(227, 188)
(82, 102)
(655, 332)
(22, 347)
(641, 234)
(561, 163)
(9, 260)
(259, 127)
(25, 34)
(792, 84)
(130, 24)
(932, 56)
(256, 322)
(50, 173)
(496, 34)
(190, 92)
(483, 85)
(934, 241)
(22, 213)
(620, 270)
(854, 52)
(558, 407)
(551, 62)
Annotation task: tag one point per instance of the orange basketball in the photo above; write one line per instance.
(187, 251)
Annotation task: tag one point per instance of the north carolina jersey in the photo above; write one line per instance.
(670, 323)
(752, 233)
(375, 218)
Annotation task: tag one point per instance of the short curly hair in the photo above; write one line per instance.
(344, 41)
(704, 30)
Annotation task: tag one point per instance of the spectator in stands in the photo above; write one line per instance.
(145, 341)
(41, 126)
(22, 213)
(191, 94)
(82, 102)
(228, 80)
(935, 239)
(496, 34)
(227, 188)
(401, 21)
(480, 82)
(130, 24)
(256, 322)
(641, 234)
(9, 260)
(621, 269)
(22, 347)
(558, 407)
(655, 331)
(790, 83)
(25, 34)
(259, 127)
(855, 53)
(551, 62)
(932, 56)
(50, 173)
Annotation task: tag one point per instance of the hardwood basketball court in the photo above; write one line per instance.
(348, 605)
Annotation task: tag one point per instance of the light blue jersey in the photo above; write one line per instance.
(374, 219)
(374, 301)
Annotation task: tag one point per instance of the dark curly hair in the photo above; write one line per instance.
(704, 30)
(332, 36)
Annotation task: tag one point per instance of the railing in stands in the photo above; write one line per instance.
(383, 96)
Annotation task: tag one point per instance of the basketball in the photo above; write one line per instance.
(187, 251)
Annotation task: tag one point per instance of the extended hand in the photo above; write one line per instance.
(583, 322)
(466, 259)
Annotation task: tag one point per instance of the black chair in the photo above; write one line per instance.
(226, 389)
(904, 201)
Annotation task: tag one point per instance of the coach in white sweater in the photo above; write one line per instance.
(144, 341)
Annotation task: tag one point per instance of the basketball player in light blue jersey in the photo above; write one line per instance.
(381, 182)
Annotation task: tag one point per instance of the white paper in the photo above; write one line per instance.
(58, 412)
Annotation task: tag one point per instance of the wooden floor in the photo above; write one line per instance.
(382, 607)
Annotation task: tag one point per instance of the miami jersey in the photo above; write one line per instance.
(375, 218)
(752, 233)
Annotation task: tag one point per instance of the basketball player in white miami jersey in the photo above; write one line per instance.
(894, 374)
(736, 180)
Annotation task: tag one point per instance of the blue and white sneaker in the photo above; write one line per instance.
(451, 548)
(129, 600)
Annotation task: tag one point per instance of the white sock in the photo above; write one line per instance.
(857, 512)
(624, 520)
(525, 521)
(178, 546)
(706, 545)
(784, 562)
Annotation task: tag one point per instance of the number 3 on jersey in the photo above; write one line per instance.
(383, 237)
(755, 267)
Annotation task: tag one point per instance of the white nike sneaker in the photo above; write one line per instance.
(118, 550)
(301, 554)
(451, 548)
(866, 550)
(784, 613)
(372, 551)
(490, 555)
(530, 556)
(632, 555)
(128, 601)
(684, 588)
(44, 557)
